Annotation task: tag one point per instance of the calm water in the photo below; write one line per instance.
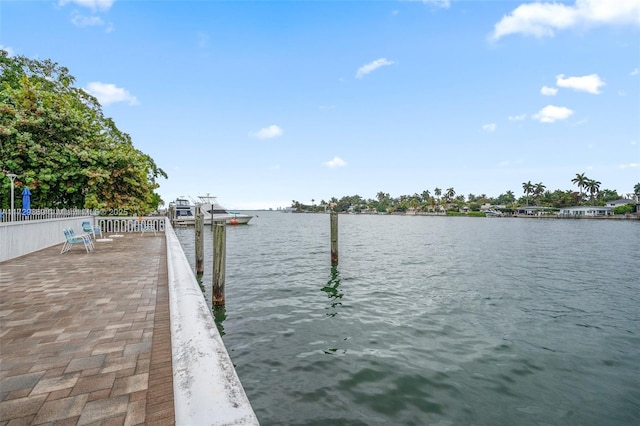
(433, 320)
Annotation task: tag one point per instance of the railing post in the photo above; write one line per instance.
(219, 262)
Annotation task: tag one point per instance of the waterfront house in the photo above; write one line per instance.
(620, 202)
(591, 211)
(534, 211)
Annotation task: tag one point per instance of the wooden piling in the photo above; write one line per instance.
(219, 262)
(199, 225)
(334, 238)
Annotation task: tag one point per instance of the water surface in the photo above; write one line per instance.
(433, 320)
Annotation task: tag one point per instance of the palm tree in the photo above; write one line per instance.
(414, 203)
(437, 192)
(538, 190)
(528, 189)
(636, 189)
(581, 181)
(432, 202)
(450, 194)
(592, 186)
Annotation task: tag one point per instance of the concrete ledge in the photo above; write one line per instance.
(207, 390)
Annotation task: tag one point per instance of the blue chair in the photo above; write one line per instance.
(93, 230)
(148, 226)
(71, 239)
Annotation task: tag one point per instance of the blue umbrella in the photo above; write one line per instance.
(26, 202)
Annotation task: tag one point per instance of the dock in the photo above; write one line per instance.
(86, 338)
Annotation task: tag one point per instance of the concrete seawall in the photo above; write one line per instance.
(207, 389)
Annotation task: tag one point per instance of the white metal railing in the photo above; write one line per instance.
(114, 225)
(23, 237)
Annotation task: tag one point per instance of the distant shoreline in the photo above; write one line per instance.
(504, 216)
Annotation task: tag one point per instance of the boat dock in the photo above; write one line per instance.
(107, 337)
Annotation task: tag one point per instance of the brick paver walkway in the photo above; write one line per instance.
(85, 338)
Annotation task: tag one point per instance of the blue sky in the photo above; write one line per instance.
(265, 102)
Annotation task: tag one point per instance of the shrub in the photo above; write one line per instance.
(476, 214)
(627, 208)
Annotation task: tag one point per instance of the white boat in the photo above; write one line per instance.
(183, 212)
(213, 212)
(492, 213)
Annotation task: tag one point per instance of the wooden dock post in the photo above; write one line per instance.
(219, 262)
(199, 242)
(334, 238)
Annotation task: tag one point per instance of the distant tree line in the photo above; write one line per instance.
(447, 200)
(57, 141)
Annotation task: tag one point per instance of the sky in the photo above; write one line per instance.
(265, 102)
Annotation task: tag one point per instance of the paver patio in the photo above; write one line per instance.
(85, 338)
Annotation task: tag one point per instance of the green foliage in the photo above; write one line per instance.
(55, 137)
(476, 214)
(627, 208)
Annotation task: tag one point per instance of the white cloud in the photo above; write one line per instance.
(95, 5)
(336, 162)
(544, 19)
(629, 166)
(589, 83)
(491, 127)
(372, 66)
(517, 117)
(107, 93)
(548, 91)
(270, 132)
(551, 113)
(86, 21)
(440, 3)
(635, 72)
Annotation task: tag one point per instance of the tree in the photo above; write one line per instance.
(528, 189)
(580, 180)
(592, 186)
(437, 192)
(510, 197)
(414, 203)
(636, 189)
(450, 194)
(55, 137)
(538, 190)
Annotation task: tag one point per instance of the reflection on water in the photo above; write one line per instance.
(333, 291)
(332, 288)
(219, 315)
